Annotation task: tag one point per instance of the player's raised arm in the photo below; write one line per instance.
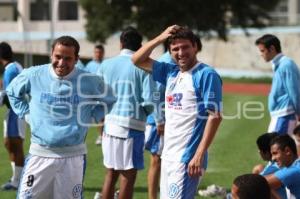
(141, 58)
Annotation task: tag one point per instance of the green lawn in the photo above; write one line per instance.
(233, 151)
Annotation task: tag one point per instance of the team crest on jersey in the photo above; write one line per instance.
(77, 190)
(173, 190)
(174, 101)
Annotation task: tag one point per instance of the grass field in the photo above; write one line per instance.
(233, 151)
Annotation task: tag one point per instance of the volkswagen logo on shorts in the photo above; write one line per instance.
(77, 191)
(173, 190)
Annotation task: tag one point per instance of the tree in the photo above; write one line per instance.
(105, 17)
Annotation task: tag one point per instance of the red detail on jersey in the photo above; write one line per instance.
(170, 98)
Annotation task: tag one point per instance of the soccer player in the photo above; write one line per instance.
(284, 153)
(250, 186)
(192, 110)
(63, 101)
(284, 97)
(14, 128)
(263, 144)
(93, 65)
(123, 136)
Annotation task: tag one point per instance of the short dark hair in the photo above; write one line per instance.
(198, 42)
(269, 40)
(297, 130)
(67, 41)
(131, 39)
(264, 140)
(100, 47)
(185, 33)
(252, 186)
(284, 141)
(6, 51)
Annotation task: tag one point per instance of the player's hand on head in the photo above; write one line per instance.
(168, 32)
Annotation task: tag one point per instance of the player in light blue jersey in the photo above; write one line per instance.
(192, 110)
(14, 128)
(123, 136)
(284, 97)
(63, 101)
(284, 153)
(263, 144)
(92, 67)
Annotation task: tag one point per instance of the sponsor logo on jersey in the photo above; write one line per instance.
(174, 101)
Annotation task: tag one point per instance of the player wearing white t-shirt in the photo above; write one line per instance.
(193, 105)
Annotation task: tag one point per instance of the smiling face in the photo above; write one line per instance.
(184, 53)
(63, 59)
(281, 157)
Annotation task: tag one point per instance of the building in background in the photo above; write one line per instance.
(31, 25)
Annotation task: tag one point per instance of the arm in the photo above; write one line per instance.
(273, 181)
(211, 127)
(141, 58)
(17, 91)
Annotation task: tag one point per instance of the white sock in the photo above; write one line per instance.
(13, 170)
(18, 171)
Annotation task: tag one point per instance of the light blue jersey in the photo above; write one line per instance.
(13, 126)
(271, 168)
(133, 89)
(93, 66)
(290, 177)
(189, 97)
(11, 71)
(284, 97)
(60, 109)
(80, 65)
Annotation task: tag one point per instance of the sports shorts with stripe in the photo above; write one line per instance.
(123, 153)
(48, 178)
(13, 126)
(153, 142)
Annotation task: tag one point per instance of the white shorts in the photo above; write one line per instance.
(153, 142)
(283, 125)
(48, 178)
(123, 153)
(175, 182)
(13, 126)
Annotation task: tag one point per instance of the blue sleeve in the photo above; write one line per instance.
(212, 91)
(9, 75)
(270, 168)
(160, 71)
(292, 82)
(288, 176)
(17, 91)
